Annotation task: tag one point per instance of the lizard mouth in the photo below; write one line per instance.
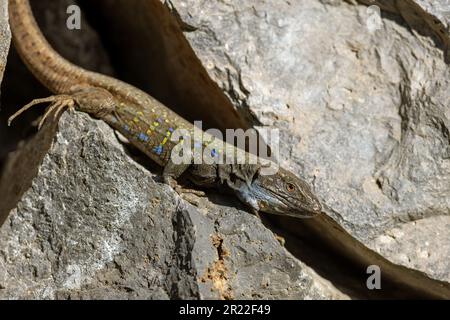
(317, 207)
(286, 207)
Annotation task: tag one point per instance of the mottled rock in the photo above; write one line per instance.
(92, 223)
(361, 102)
(363, 111)
(429, 17)
(5, 35)
(410, 244)
(5, 41)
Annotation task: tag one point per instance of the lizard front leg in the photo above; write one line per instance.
(172, 172)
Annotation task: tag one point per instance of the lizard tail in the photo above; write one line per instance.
(43, 61)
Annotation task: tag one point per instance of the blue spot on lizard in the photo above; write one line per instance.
(158, 150)
(143, 137)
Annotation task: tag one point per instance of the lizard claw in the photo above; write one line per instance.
(280, 239)
(58, 103)
(57, 107)
(256, 213)
(191, 198)
(190, 195)
(181, 190)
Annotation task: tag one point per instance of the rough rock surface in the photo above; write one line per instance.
(5, 35)
(5, 41)
(411, 245)
(96, 224)
(427, 17)
(437, 9)
(363, 113)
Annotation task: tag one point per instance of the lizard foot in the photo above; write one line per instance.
(255, 213)
(280, 239)
(181, 190)
(191, 198)
(190, 195)
(58, 104)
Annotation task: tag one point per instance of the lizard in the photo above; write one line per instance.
(150, 126)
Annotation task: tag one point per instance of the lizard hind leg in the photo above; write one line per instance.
(57, 102)
(96, 101)
(57, 107)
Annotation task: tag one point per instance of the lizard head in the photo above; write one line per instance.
(281, 193)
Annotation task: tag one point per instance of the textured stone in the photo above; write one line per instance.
(438, 9)
(95, 224)
(5, 35)
(5, 41)
(363, 114)
(410, 244)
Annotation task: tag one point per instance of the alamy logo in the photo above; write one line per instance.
(74, 20)
(374, 280)
(373, 18)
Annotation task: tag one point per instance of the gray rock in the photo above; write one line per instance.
(5, 36)
(5, 41)
(430, 17)
(410, 244)
(92, 223)
(439, 10)
(363, 112)
(362, 108)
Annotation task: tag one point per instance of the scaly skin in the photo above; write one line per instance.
(149, 125)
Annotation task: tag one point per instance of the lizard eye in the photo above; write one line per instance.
(290, 187)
